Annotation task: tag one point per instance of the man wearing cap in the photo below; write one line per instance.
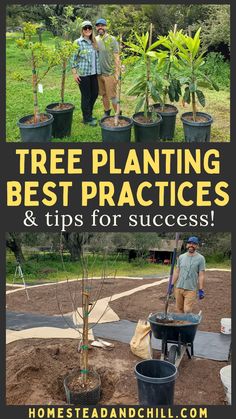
(189, 277)
(110, 63)
(85, 68)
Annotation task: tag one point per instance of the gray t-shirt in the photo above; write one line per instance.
(107, 47)
(189, 267)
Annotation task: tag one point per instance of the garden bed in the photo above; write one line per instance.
(45, 299)
(217, 302)
(36, 367)
(36, 376)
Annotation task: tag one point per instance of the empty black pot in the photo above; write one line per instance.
(197, 131)
(62, 123)
(146, 132)
(167, 129)
(156, 382)
(39, 132)
(116, 134)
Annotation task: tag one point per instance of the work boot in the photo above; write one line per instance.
(107, 113)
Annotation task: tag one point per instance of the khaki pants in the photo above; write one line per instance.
(184, 300)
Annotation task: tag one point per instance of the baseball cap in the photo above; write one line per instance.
(101, 22)
(86, 23)
(193, 239)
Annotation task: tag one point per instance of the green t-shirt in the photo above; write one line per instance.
(107, 47)
(189, 268)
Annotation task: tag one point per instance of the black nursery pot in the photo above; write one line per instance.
(116, 134)
(156, 382)
(199, 132)
(167, 129)
(83, 397)
(146, 132)
(62, 120)
(36, 132)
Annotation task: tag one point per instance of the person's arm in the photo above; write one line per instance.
(73, 67)
(77, 78)
(201, 280)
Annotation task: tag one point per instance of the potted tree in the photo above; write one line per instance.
(117, 128)
(197, 125)
(83, 384)
(37, 126)
(62, 111)
(167, 84)
(146, 122)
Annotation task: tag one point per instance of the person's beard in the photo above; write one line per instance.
(191, 249)
(101, 32)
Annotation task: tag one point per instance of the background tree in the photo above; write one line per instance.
(13, 242)
(74, 243)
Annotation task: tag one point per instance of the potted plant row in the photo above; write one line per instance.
(179, 62)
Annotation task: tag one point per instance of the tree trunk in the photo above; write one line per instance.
(13, 242)
(63, 81)
(85, 341)
(74, 242)
(35, 93)
(148, 69)
(194, 107)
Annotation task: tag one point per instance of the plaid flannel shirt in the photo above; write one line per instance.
(82, 60)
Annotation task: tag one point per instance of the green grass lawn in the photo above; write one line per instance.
(48, 267)
(20, 101)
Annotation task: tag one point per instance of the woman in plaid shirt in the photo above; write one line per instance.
(85, 67)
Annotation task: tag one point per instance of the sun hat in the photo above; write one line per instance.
(86, 23)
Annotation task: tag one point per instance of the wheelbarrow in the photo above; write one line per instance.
(176, 329)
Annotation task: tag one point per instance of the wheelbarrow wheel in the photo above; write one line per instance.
(173, 354)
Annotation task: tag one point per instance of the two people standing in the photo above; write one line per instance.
(95, 68)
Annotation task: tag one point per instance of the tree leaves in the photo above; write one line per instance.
(140, 103)
(186, 96)
(201, 97)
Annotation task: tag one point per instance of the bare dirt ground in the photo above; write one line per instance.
(36, 367)
(36, 375)
(45, 299)
(215, 305)
(13, 287)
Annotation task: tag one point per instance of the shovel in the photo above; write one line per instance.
(171, 274)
